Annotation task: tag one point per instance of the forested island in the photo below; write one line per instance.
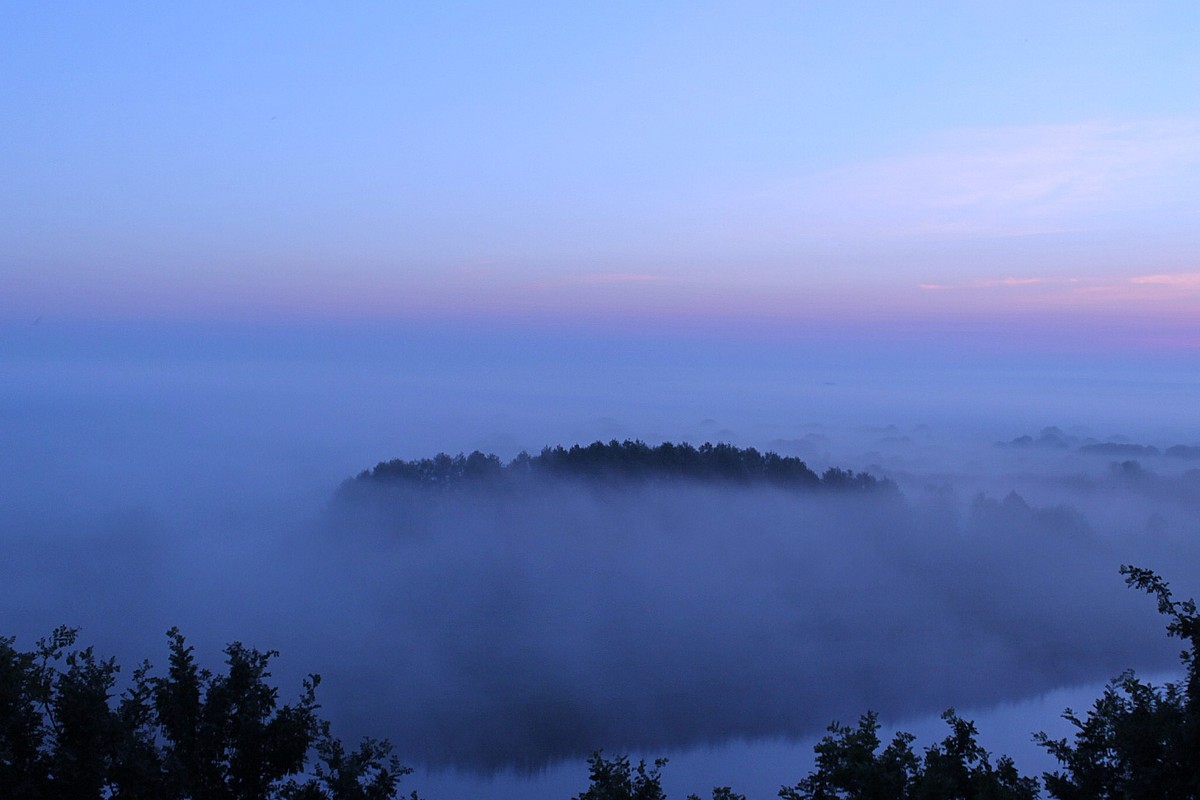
(629, 461)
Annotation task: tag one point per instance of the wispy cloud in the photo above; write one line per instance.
(985, 284)
(1188, 280)
(1128, 292)
(1011, 181)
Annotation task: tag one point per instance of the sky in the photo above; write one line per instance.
(247, 251)
(879, 167)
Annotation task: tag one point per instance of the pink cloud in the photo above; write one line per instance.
(1186, 280)
(1135, 285)
(990, 283)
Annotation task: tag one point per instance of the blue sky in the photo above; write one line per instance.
(601, 161)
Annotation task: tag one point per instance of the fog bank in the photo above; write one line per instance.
(487, 630)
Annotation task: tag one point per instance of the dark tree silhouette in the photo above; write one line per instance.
(616, 779)
(189, 734)
(850, 766)
(622, 462)
(1138, 741)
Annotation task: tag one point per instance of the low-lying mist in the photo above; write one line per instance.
(519, 627)
(508, 628)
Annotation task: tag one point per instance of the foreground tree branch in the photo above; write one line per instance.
(189, 734)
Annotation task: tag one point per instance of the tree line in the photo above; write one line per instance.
(193, 734)
(186, 734)
(630, 460)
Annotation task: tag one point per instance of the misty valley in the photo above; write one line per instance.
(488, 616)
(599, 401)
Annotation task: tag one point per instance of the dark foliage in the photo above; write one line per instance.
(850, 766)
(616, 779)
(191, 733)
(1138, 741)
(619, 461)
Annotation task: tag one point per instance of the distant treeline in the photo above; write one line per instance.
(1057, 439)
(617, 461)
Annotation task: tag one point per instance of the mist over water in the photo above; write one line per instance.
(159, 477)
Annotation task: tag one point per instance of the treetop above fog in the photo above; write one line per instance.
(627, 461)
